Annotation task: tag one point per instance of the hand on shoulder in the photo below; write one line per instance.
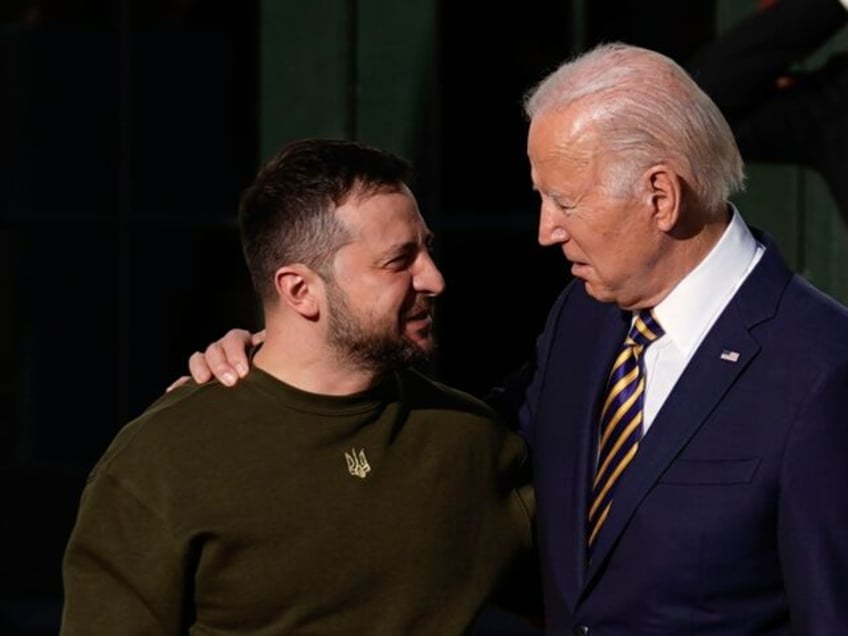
(225, 359)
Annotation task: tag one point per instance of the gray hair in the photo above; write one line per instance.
(645, 109)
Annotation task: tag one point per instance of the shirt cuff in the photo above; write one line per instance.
(844, 4)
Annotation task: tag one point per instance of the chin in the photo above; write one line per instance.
(425, 342)
(600, 294)
(426, 345)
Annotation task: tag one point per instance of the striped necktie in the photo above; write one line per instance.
(621, 418)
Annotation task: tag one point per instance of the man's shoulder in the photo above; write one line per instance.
(177, 421)
(786, 309)
(210, 402)
(423, 391)
(459, 416)
(816, 317)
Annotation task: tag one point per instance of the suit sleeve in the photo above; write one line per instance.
(813, 511)
(517, 398)
(121, 571)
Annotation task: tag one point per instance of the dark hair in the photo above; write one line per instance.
(287, 215)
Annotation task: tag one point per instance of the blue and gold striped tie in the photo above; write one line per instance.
(621, 418)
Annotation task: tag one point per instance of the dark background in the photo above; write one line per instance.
(127, 131)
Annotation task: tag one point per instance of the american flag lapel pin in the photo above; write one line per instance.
(730, 356)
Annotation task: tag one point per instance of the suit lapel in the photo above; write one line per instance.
(564, 452)
(614, 332)
(708, 376)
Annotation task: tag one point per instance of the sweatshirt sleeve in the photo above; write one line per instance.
(122, 572)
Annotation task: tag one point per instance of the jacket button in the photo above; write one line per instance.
(581, 630)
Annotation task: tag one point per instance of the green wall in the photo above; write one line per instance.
(793, 203)
(355, 69)
(368, 70)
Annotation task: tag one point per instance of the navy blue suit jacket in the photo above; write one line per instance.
(733, 516)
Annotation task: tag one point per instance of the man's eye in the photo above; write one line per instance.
(400, 261)
(560, 205)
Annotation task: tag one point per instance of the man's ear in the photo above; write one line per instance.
(296, 286)
(665, 194)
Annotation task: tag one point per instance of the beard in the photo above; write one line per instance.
(370, 344)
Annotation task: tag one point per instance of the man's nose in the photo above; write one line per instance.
(428, 279)
(551, 228)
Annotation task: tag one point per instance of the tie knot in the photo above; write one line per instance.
(645, 329)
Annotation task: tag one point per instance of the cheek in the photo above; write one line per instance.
(633, 256)
(598, 242)
(387, 297)
(615, 253)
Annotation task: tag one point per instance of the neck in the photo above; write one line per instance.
(708, 233)
(686, 249)
(307, 363)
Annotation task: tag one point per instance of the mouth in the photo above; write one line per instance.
(577, 268)
(419, 316)
(422, 317)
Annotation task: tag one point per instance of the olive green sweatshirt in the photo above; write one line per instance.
(264, 510)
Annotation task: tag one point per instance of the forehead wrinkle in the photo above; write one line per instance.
(422, 237)
(580, 133)
(560, 167)
(416, 235)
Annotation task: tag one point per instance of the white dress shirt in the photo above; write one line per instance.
(844, 3)
(691, 309)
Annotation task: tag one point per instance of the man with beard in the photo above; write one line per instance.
(335, 490)
(685, 400)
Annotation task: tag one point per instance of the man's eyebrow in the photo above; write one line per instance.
(405, 248)
(397, 249)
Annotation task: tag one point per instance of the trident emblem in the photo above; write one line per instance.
(357, 465)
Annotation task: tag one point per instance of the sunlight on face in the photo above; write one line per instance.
(606, 239)
(380, 297)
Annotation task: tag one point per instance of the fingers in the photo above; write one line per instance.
(178, 382)
(226, 359)
(231, 354)
(213, 362)
(199, 368)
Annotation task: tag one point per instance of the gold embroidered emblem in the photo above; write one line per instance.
(357, 465)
